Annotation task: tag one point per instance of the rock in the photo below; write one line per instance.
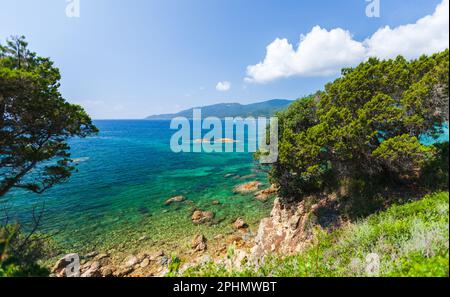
(284, 232)
(93, 271)
(107, 271)
(264, 195)
(199, 243)
(240, 224)
(91, 255)
(123, 271)
(143, 238)
(216, 202)
(145, 263)
(100, 257)
(201, 217)
(253, 175)
(130, 261)
(218, 236)
(156, 255)
(175, 199)
(247, 188)
(141, 256)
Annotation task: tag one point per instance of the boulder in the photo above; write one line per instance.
(123, 271)
(91, 255)
(156, 256)
(247, 188)
(93, 271)
(264, 195)
(240, 224)
(107, 271)
(130, 261)
(175, 199)
(145, 263)
(199, 243)
(202, 217)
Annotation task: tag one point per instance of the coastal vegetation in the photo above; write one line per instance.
(410, 239)
(363, 131)
(35, 124)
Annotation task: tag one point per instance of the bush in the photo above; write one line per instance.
(410, 240)
(20, 254)
(364, 128)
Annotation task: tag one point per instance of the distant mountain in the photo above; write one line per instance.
(222, 110)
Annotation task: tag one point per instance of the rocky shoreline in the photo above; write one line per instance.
(202, 249)
(287, 230)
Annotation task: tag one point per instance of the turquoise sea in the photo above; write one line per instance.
(115, 200)
(124, 176)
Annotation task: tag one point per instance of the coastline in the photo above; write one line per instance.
(173, 233)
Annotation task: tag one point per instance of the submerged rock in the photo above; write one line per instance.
(264, 195)
(175, 199)
(202, 217)
(216, 202)
(247, 188)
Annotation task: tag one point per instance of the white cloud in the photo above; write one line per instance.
(223, 86)
(427, 36)
(323, 53)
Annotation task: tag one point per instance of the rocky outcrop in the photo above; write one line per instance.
(289, 228)
(283, 232)
(199, 243)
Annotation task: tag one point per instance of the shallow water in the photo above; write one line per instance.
(124, 176)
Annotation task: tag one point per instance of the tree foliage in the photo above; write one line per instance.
(35, 122)
(366, 125)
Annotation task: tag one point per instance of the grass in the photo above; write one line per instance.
(405, 240)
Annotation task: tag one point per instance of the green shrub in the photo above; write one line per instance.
(410, 240)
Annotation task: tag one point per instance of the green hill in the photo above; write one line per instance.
(265, 109)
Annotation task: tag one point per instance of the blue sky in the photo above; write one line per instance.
(133, 58)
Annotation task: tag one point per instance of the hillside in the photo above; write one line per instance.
(410, 240)
(222, 110)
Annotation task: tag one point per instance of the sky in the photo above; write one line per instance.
(127, 59)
